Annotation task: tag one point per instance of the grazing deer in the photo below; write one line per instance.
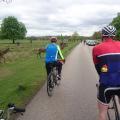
(38, 51)
(2, 53)
(62, 45)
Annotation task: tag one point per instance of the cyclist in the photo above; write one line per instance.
(106, 57)
(54, 55)
(84, 42)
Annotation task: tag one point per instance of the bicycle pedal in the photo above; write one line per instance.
(58, 77)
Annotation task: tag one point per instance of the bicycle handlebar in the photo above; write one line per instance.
(15, 109)
(61, 60)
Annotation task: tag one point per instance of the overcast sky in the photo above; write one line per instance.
(56, 17)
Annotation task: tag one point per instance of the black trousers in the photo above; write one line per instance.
(57, 64)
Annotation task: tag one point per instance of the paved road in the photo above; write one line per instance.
(75, 98)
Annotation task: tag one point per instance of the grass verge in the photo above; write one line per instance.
(22, 76)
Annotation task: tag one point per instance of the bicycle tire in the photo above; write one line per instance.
(108, 115)
(1, 114)
(50, 81)
(117, 116)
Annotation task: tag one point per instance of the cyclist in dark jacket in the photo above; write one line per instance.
(106, 57)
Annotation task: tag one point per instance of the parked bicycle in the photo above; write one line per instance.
(114, 114)
(9, 110)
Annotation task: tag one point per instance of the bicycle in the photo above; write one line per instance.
(52, 79)
(10, 109)
(112, 106)
(115, 108)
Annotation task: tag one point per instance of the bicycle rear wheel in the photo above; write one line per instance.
(50, 84)
(117, 115)
(114, 114)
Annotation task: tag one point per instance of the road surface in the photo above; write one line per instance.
(75, 98)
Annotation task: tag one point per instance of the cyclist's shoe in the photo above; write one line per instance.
(59, 77)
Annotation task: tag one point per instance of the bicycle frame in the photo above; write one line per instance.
(54, 71)
(52, 80)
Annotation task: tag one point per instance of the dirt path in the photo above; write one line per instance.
(75, 98)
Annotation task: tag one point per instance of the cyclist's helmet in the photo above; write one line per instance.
(53, 39)
(109, 31)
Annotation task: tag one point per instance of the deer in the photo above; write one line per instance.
(38, 51)
(2, 54)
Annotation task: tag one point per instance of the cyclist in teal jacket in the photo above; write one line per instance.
(53, 55)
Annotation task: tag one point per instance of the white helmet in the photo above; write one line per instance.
(109, 31)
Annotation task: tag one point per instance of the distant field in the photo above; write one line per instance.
(24, 73)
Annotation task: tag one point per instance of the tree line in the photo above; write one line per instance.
(12, 29)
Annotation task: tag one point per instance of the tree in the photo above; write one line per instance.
(116, 22)
(22, 30)
(96, 35)
(0, 33)
(75, 36)
(12, 29)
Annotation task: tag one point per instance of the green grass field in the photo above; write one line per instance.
(24, 73)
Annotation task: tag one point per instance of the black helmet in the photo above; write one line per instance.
(109, 31)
